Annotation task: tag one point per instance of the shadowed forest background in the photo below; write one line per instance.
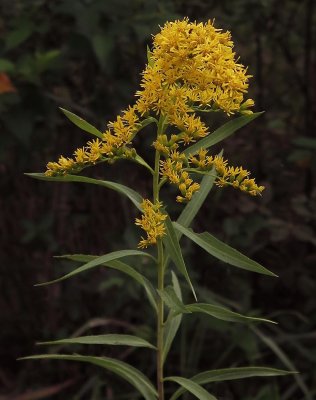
(87, 56)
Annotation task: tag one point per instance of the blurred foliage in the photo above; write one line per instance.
(86, 56)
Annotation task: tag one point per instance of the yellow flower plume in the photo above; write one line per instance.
(152, 222)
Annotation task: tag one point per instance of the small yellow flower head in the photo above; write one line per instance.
(152, 222)
(193, 65)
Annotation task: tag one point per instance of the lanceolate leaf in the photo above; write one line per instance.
(222, 313)
(221, 133)
(173, 322)
(99, 261)
(222, 251)
(110, 339)
(124, 370)
(191, 387)
(81, 123)
(122, 189)
(123, 267)
(171, 243)
(231, 374)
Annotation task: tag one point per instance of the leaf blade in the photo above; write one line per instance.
(97, 262)
(135, 197)
(108, 339)
(221, 133)
(223, 251)
(81, 123)
(221, 375)
(171, 243)
(124, 370)
(191, 387)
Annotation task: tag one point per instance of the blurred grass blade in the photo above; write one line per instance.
(191, 387)
(173, 322)
(221, 133)
(124, 370)
(122, 189)
(171, 243)
(122, 267)
(285, 360)
(97, 262)
(81, 123)
(231, 374)
(222, 251)
(110, 339)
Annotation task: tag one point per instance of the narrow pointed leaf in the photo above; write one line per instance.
(231, 374)
(173, 322)
(222, 251)
(99, 261)
(110, 339)
(124, 370)
(223, 313)
(221, 133)
(142, 162)
(192, 387)
(135, 197)
(81, 123)
(219, 312)
(122, 267)
(171, 243)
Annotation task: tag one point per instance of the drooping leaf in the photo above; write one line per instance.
(142, 162)
(135, 198)
(221, 133)
(191, 387)
(81, 123)
(231, 374)
(171, 243)
(123, 267)
(97, 262)
(219, 312)
(222, 251)
(173, 322)
(109, 339)
(124, 370)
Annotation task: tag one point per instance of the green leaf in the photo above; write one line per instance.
(223, 313)
(99, 261)
(222, 251)
(126, 269)
(171, 243)
(221, 133)
(124, 370)
(142, 162)
(81, 123)
(231, 374)
(173, 322)
(191, 387)
(171, 299)
(135, 198)
(110, 339)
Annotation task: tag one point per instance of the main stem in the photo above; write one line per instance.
(160, 267)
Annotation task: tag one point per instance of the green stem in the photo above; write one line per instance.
(160, 267)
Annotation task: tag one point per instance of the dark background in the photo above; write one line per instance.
(86, 56)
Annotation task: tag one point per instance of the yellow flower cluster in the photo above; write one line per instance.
(234, 176)
(173, 168)
(152, 222)
(113, 145)
(192, 67)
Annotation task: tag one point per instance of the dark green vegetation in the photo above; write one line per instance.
(86, 56)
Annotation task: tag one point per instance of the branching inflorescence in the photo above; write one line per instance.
(192, 68)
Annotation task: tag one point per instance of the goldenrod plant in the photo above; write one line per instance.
(192, 69)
